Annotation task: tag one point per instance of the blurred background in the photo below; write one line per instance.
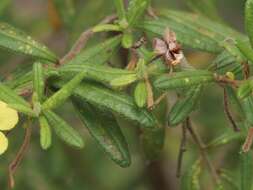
(64, 168)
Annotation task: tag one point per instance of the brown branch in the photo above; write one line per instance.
(227, 111)
(15, 163)
(202, 150)
(83, 39)
(181, 150)
(225, 80)
(248, 142)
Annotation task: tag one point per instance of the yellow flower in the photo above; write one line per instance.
(8, 120)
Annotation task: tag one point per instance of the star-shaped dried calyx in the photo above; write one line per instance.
(168, 48)
(8, 120)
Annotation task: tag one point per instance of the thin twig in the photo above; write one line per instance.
(181, 150)
(227, 111)
(202, 150)
(15, 163)
(83, 39)
(248, 142)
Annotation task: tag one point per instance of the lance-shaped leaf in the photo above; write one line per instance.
(225, 138)
(119, 5)
(190, 180)
(98, 54)
(204, 7)
(8, 96)
(100, 73)
(38, 80)
(246, 165)
(183, 107)
(249, 19)
(183, 79)
(245, 48)
(64, 93)
(63, 130)
(152, 142)
(45, 133)
(15, 40)
(104, 128)
(124, 80)
(245, 89)
(127, 40)
(192, 30)
(136, 10)
(140, 94)
(114, 101)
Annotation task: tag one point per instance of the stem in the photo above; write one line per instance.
(227, 111)
(248, 142)
(20, 155)
(203, 151)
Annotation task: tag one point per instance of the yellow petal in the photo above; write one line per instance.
(3, 143)
(8, 117)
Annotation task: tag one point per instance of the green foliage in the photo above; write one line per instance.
(126, 89)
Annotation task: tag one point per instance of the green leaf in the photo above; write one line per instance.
(183, 107)
(249, 19)
(16, 40)
(136, 10)
(98, 54)
(8, 96)
(245, 89)
(245, 48)
(100, 73)
(192, 30)
(124, 80)
(231, 180)
(104, 128)
(204, 7)
(23, 109)
(64, 93)
(114, 101)
(45, 133)
(183, 79)
(140, 94)
(38, 80)
(225, 138)
(63, 130)
(246, 166)
(119, 5)
(152, 142)
(190, 180)
(106, 28)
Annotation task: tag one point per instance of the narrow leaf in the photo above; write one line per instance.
(249, 19)
(10, 97)
(114, 101)
(119, 5)
(245, 89)
(38, 80)
(247, 105)
(16, 40)
(136, 10)
(64, 93)
(183, 79)
(105, 130)
(63, 130)
(45, 133)
(245, 48)
(183, 107)
(124, 80)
